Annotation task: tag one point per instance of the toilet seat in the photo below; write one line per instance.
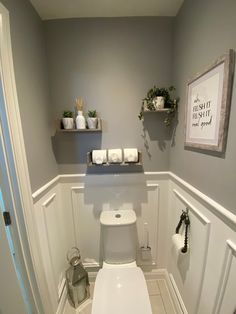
(121, 290)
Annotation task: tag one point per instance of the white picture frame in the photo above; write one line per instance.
(208, 106)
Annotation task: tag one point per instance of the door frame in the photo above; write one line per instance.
(30, 251)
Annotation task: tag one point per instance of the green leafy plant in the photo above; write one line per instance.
(92, 114)
(67, 114)
(171, 103)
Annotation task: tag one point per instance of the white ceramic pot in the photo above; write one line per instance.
(68, 123)
(92, 123)
(159, 102)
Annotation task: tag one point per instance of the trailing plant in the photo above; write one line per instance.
(170, 113)
(171, 103)
(67, 114)
(92, 114)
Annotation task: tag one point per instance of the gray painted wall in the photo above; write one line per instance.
(204, 30)
(111, 63)
(32, 88)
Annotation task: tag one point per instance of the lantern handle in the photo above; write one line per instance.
(69, 255)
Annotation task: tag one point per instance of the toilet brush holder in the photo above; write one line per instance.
(146, 253)
(145, 248)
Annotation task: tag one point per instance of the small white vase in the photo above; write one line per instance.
(92, 122)
(159, 102)
(80, 121)
(68, 123)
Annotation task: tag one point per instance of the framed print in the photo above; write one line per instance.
(208, 105)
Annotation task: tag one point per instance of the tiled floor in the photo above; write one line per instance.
(159, 297)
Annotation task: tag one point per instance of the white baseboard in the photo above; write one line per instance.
(177, 296)
(62, 302)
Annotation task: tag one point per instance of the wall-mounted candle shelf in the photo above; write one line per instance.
(90, 162)
(98, 129)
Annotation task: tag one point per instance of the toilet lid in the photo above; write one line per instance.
(121, 291)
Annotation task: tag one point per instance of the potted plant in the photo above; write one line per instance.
(92, 119)
(67, 120)
(158, 99)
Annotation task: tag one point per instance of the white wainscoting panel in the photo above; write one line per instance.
(67, 211)
(188, 269)
(225, 302)
(89, 201)
(49, 215)
(44, 245)
(55, 234)
(148, 217)
(86, 226)
(209, 284)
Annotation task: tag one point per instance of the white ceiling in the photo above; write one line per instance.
(56, 9)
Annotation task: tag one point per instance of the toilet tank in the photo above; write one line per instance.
(119, 236)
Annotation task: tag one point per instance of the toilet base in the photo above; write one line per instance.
(121, 290)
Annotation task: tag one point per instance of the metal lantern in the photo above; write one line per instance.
(76, 279)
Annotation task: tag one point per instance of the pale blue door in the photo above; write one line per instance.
(11, 293)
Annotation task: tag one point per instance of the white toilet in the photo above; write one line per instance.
(120, 286)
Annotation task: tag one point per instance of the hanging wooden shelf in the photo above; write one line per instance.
(98, 129)
(156, 111)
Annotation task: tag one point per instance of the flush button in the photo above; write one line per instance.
(117, 215)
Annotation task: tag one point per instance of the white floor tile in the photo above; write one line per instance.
(153, 288)
(157, 304)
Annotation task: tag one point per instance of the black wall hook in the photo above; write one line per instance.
(187, 224)
(184, 218)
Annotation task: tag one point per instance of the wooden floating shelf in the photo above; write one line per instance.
(107, 164)
(156, 111)
(99, 129)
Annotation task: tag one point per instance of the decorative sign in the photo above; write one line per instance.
(208, 106)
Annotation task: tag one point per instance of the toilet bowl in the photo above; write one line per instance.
(120, 286)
